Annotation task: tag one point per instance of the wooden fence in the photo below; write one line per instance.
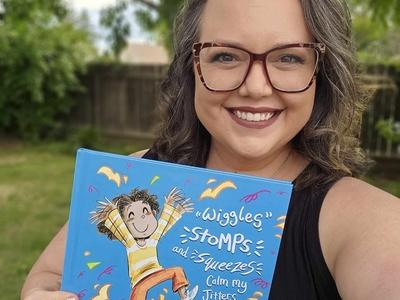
(120, 100)
(384, 105)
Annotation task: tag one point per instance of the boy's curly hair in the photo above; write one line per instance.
(120, 202)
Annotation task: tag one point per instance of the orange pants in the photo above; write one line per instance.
(177, 275)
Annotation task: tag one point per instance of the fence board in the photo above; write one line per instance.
(120, 99)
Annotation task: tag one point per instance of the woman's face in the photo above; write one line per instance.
(231, 117)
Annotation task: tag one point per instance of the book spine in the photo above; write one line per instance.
(66, 281)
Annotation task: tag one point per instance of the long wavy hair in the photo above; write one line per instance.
(330, 139)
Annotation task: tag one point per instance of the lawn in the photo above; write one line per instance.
(34, 195)
(35, 184)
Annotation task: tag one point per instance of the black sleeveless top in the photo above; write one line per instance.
(301, 272)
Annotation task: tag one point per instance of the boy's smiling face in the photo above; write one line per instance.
(140, 219)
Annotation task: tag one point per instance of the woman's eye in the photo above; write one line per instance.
(291, 59)
(145, 211)
(131, 215)
(223, 58)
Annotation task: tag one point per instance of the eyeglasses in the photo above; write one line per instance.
(290, 68)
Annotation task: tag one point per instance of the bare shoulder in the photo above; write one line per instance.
(356, 194)
(139, 153)
(360, 238)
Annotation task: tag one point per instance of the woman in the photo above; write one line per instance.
(268, 88)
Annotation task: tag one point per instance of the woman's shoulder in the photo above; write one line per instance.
(360, 237)
(139, 153)
(356, 190)
(356, 198)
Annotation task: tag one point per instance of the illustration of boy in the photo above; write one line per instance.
(132, 219)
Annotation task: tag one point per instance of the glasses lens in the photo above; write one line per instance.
(223, 68)
(291, 69)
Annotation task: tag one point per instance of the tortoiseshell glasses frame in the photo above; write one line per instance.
(198, 47)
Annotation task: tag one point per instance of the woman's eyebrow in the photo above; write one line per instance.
(229, 42)
(240, 45)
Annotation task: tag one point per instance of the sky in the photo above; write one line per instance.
(93, 7)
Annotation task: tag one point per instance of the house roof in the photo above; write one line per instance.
(136, 53)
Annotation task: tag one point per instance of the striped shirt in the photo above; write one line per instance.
(142, 261)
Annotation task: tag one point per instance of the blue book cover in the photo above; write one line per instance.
(142, 229)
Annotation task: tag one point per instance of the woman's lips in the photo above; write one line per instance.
(254, 117)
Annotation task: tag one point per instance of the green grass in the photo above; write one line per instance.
(34, 198)
(35, 185)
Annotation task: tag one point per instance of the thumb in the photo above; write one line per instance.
(46, 295)
(65, 296)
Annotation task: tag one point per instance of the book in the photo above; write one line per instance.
(143, 229)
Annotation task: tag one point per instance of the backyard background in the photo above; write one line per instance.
(59, 92)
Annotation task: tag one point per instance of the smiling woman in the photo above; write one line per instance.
(238, 139)
(269, 88)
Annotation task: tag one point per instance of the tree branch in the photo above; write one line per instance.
(148, 3)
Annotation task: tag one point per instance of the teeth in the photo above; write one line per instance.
(253, 117)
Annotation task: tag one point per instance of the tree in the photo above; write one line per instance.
(41, 51)
(113, 19)
(377, 36)
(158, 19)
(376, 24)
(154, 17)
(385, 11)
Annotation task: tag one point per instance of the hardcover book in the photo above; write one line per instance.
(142, 229)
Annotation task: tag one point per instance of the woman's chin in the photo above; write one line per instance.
(256, 152)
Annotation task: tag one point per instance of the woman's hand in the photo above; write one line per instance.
(38, 294)
(44, 280)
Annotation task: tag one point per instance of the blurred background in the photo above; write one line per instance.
(86, 73)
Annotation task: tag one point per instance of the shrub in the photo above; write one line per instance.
(41, 53)
(389, 129)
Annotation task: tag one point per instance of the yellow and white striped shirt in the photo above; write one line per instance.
(142, 261)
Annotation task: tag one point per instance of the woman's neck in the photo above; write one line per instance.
(284, 164)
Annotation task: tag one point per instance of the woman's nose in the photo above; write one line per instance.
(257, 84)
